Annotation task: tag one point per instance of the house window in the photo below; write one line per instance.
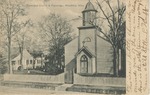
(83, 64)
(30, 61)
(38, 61)
(13, 62)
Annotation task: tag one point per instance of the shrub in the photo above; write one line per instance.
(3, 68)
(52, 69)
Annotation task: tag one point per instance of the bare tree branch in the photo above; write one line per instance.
(11, 10)
(116, 33)
(104, 13)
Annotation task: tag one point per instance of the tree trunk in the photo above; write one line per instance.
(9, 56)
(116, 62)
(21, 47)
(123, 63)
(21, 57)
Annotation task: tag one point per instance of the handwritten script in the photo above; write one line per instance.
(137, 46)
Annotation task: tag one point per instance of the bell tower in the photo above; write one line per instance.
(88, 29)
(89, 15)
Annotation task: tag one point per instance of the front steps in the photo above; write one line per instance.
(63, 87)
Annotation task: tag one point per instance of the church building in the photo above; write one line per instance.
(88, 54)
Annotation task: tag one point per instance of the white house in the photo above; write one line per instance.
(27, 61)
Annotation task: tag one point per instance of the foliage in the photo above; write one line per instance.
(3, 66)
(37, 53)
(58, 31)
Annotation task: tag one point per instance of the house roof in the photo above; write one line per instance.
(71, 41)
(14, 52)
(86, 50)
(26, 55)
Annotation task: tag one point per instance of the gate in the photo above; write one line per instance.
(69, 77)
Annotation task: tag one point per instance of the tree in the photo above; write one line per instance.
(116, 25)
(11, 10)
(22, 39)
(58, 31)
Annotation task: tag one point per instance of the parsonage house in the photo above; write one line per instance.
(88, 54)
(28, 61)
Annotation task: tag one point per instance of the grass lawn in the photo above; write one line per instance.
(31, 72)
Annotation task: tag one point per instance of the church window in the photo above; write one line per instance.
(84, 64)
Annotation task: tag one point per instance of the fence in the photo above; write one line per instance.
(99, 81)
(1, 77)
(83, 80)
(35, 78)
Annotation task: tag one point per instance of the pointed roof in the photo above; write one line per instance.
(89, 7)
(26, 55)
(86, 50)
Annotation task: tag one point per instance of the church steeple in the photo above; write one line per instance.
(89, 14)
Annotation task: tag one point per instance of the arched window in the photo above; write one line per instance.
(84, 64)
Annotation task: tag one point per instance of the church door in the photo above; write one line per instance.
(84, 64)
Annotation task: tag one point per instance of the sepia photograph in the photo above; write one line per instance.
(62, 47)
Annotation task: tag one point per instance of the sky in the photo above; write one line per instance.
(66, 8)
(70, 9)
